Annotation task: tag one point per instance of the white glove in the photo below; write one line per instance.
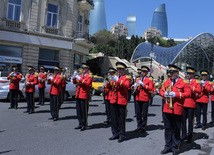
(115, 78)
(11, 73)
(78, 77)
(104, 84)
(50, 78)
(14, 74)
(202, 83)
(172, 94)
(141, 83)
(166, 94)
(27, 83)
(39, 78)
(213, 87)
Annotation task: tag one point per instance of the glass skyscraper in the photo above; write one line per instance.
(97, 17)
(131, 24)
(159, 20)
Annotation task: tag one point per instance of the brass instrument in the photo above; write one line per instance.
(11, 77)
(169, 99)
(158, 85)
(24, 84)
(108, 78)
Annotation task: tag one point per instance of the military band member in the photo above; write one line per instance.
(108, 93)
(30, 81)
(55, 89)
(83, 88)
(203, 100)
(119, 102)
(14, 79)
(42, 77)
(212, 103)
(190, 105)
(64, 82)
(142, 97)
(152, 92)
(175, 93)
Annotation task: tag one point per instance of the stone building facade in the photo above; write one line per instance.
(44, 32)
(119, 30)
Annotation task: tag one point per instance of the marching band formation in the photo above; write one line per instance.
(182, 99)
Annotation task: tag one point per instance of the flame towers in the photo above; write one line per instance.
(159, 20)
(131, 24)
(97, 17)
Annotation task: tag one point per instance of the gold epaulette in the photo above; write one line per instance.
(186, 81)
(20, 74)
(128, 77)
(36, 75)
(198, 81)
(164, 80)
(211, 83)
(45, 73)
(150, 78)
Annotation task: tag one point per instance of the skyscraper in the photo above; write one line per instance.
(131, 24)
(159, 20)
(97, 17)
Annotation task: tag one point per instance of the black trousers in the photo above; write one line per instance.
(108, 111)
(30, 101)
(142, 114)
(212, 112)
(188, 113)
(199, 107)
(41, 95)
(150, 99)
(118, 119)
(62, 96)
(54, 105)
(135, 106)
(129, 94)
(82, 114)
(163, 101)
(172, 125)
(13, 98)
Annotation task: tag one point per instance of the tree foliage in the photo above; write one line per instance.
(122, 47)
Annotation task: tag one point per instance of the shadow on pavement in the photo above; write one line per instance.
(155, 105)
(67, 108)
(151, 115)
(154, 127)
(6, 151)
(67, 117)
(193, 146)
(133, 134)
(42, 111)
(129, 119)
(2, 130)
(93, 105)
(96, 113)
(98, 126)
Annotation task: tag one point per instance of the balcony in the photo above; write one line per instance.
(86, 4)
(83, 39)
(50, 30)
(12, 24)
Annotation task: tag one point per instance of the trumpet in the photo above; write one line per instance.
(169, 99)
(24, 84)
(108, 78)
(11, 77)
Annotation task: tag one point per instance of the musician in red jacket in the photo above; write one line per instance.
(190, 105)
(84, 83)
(107, 89)
(14, 79)
(30, 81)
(42, 77)
(175, 93)
(119, 102)
(55, 89)
(152, 92)
(144, 85)
(212, 103)
(203, 100)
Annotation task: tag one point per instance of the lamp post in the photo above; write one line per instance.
(152, 54)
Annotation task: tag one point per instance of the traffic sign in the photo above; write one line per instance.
(151, 70)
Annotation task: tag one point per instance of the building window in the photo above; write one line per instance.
(14, 10)
(77, 61)
(80, 20)
(52, 15)
(10, 51)
(48, 54)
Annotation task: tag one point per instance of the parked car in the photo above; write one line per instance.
(97, 85)
(4, 91)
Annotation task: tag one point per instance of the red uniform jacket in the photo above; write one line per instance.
(195, 88)
(83, 86)
(14, 81)
(56, 83)
(204, 96)
(212, 92)
(33, 80)
(153, 88)
(142, 92)
(64, 79)
(109, 90)
(43, 77)
(182, 91)
(120, 91)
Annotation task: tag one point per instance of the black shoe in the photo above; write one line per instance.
(10, 107)
(43, 104)
(162, 121)
(83, 128)
(107, 122)
(198, 126)
(203, 128)
(121, 139)
(175, 153)
(165, 151)
(138, 129)
(38, 104)
(55, 119)
(212, 122)
(31, 112)
(183, 139)
(113, 137)
(189, 140)
(78, 127)
(51, 118)
(16, 108)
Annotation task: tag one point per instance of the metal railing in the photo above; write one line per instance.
(89, 1)
(82, 34)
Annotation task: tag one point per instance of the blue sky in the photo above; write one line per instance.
(185, 17)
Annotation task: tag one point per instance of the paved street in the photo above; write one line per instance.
(34, 134)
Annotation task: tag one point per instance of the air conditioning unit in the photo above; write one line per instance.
(87, 22)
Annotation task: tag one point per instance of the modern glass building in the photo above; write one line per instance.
(159, 20)
(131, 24)
(197, 52)
(97, 17)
